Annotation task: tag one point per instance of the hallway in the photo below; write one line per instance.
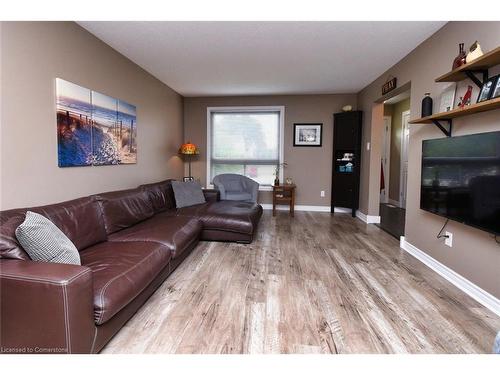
(392, 219)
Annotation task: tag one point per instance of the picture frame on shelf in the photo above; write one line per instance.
(487, 89)
(447, 98)
(495, 93)
(307, 135)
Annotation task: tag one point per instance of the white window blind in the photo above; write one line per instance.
(246, 143)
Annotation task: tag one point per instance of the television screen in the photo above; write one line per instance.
(461, 179)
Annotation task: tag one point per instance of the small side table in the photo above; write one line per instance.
(284, 194)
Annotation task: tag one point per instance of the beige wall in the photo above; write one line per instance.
(396, 112)
(474, 254)
(309, 167)
(33, 55)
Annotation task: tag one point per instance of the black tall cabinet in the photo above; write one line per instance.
(346, 160)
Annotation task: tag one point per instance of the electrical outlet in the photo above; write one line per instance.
(448, 241)
(367, 146)
(322, 194)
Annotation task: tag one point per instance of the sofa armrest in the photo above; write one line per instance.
(45, 307)
(211, 195)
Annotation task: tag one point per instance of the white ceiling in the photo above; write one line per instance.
(258, 58)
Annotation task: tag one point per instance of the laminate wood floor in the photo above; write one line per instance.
(315, 283)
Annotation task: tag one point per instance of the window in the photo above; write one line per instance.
(245, 140)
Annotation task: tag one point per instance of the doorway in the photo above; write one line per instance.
(394, 164)
(386, 159)
(405, 140)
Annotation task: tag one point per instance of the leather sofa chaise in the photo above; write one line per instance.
(129, 242)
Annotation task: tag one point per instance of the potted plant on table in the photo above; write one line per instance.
(277, 172)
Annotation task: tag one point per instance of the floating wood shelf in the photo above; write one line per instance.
(437, 118)
(487, 105)
(479, 65)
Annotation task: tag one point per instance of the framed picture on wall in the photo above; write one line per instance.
(307, 135)
(93, 128)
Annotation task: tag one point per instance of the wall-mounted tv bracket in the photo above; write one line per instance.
(472, 75)
(446, 132)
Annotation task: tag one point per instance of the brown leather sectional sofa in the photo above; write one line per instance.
(129, 242)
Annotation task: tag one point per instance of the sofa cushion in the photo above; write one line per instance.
(124, 208)
(187, 193)
(232, 216)
(160, 195)
(234, 196)
(177, 233)
(79, 219)
(44, 242)
(121, 271)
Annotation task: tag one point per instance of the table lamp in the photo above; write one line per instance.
(189, 149)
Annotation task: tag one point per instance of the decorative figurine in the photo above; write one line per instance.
(460, 59)
(465, 100)
(347, 108)
(474, 52)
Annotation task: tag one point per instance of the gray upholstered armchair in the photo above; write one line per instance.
(235, 187)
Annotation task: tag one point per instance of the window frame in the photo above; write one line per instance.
(245, 109)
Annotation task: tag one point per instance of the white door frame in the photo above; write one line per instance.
(405, 142)
(384, 197)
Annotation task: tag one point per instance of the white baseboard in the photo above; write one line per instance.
(343, 210)
(368, 219)
(301, 207)
(483, 297)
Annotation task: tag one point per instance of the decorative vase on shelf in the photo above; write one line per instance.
(276, 181)
(427, 105)
(460, 59)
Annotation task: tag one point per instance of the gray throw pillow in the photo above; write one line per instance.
(187, 193)
(45, 242)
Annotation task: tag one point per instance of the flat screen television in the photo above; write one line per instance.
(461, 179)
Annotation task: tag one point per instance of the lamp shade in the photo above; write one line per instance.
(188, 148)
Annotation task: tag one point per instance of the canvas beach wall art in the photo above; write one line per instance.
(93, 128)
(74, 124)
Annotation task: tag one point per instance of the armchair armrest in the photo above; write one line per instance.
(221, 189)
(211, 195)
(45, 307)
(252, 187)
(255, 191)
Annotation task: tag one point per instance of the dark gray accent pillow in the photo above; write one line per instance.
(187, 193)
(45, 242)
